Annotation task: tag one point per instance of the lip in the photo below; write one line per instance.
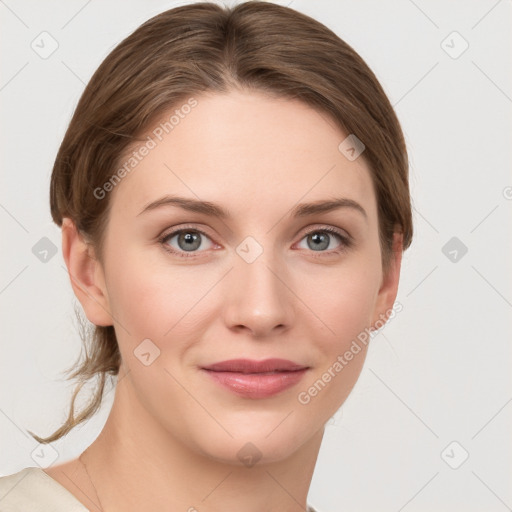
(256, 379)
(252, 366)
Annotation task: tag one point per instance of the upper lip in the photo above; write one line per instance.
(251, 366)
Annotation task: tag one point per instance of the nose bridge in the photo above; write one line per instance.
(258, 296)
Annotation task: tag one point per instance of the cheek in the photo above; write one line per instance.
(345, 307)
(343, 301)
(161, 300)
(135, 298)
(171, 305)
(149, 298)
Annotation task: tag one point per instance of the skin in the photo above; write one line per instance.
(172, 437)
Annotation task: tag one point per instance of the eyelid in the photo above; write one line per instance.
(326, 227)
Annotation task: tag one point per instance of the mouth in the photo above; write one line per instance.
(256, 379)
(252, 366)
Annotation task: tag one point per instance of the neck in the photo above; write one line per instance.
(136, 465)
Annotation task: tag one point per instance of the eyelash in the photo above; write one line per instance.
(346, 241)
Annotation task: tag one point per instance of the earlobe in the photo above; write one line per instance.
(389, 286)
(86, 275)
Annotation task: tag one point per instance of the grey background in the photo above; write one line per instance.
(439, 373)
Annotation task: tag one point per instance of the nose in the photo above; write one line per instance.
(258, 297)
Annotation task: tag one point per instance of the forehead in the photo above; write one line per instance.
(245, 149)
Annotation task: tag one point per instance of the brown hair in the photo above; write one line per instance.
(205, 47)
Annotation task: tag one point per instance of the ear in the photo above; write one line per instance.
(389, 286)
(86, 275)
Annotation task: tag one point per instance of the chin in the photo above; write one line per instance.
(256, 444)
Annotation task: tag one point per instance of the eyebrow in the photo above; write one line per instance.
(215, 210)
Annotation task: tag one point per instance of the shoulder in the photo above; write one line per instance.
(32, 489)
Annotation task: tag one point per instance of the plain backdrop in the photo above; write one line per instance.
(427, 426)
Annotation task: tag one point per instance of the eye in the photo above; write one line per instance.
(189, 242)
(320, 239)
(185, 240)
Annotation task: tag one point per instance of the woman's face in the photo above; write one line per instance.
(264, 281)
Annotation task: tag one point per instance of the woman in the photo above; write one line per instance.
(233, 196)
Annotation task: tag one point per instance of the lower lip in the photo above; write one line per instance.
(257, 385)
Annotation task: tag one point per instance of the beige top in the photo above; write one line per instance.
(32, 490)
